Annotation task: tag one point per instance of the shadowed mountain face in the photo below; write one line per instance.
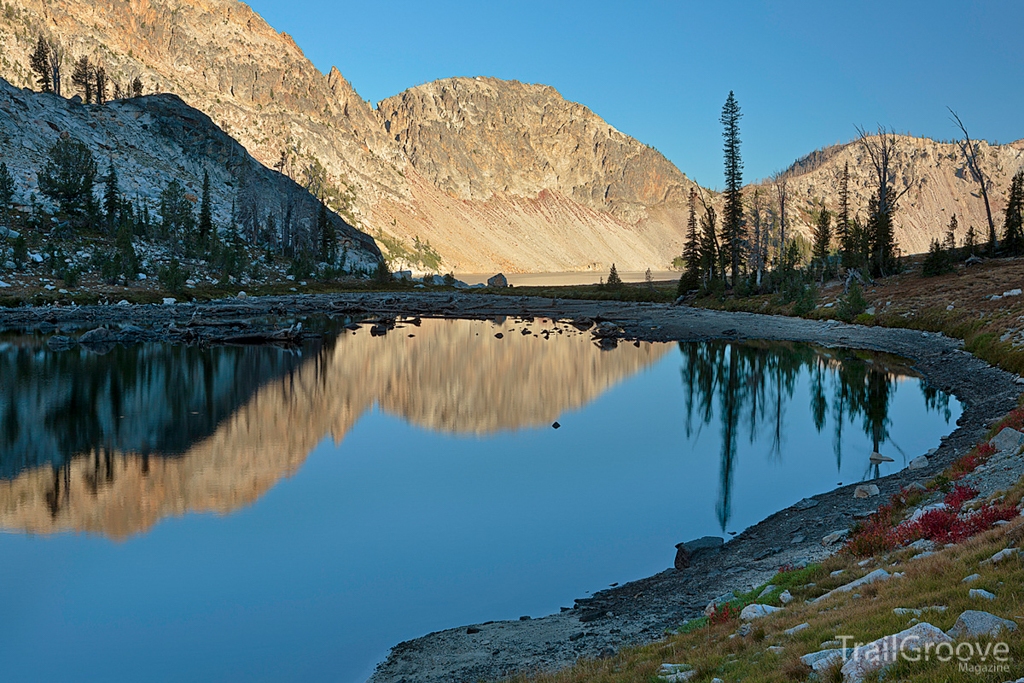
(112, 444)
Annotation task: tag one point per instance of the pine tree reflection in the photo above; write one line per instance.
(724, 380)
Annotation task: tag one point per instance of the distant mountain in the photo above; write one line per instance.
(494, 175)
(465, 174)
(942, 186)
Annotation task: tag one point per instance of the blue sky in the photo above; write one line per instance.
(804, 73)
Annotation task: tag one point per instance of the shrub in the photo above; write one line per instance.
(853, 303)
(20, 251)
(172, 277)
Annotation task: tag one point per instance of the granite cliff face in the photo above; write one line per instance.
(552, 187)
(252, 416)
(942, 186)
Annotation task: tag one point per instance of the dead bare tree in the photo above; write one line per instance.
(970, 151)
(882, 149)
(759, 251)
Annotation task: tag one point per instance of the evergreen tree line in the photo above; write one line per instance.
(47, 63)
(943, 255)
(746, 249)
(71, 177)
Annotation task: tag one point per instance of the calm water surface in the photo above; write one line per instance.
(177, 514)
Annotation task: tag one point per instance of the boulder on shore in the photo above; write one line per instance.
(497, 281)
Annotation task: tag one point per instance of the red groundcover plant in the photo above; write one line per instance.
(948, 524)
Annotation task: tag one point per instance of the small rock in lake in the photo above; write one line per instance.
(555, 425)
(499, 335)
(806, 504)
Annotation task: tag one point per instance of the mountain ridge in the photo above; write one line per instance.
(486, 173)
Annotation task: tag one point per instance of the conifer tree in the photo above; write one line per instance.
(205, 211)
(1013, 218)
(971, 241)
(136, 87)
(40, 63)
(6, 188)
(844, 230)
(822, 235)
(328, 238)
(100, 77)
(111, 198)
(949, 241)
(709, 251)
(68, 176)
(614, 281)
(82, 77)
(733, 227)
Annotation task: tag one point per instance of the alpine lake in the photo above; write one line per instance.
(256, 513)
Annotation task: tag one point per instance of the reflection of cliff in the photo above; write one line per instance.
(453, 376)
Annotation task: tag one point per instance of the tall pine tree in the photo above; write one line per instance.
(1013, 218)
(822, 234)
(733, 226)
(40, 63)
(844, 231)
(111, 198)
(205, 211)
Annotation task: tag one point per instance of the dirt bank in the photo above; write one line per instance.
(636, 612)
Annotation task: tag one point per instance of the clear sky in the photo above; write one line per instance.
(804, 73)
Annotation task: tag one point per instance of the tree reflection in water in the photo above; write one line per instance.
(749, 385)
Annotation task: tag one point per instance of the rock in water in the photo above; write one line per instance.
(498, 281)
(99, 335)
(877, 458)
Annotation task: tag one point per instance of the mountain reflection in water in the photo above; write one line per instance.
(113, 443)
(748, 386)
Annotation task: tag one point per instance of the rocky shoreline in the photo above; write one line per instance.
(637, 612)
